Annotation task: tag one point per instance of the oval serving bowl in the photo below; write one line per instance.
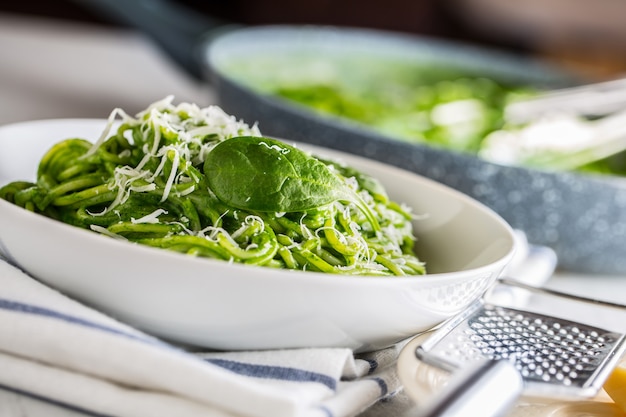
(215, 304)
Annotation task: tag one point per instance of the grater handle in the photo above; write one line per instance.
(487, 389)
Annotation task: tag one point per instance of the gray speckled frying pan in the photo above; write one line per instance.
(582, 217)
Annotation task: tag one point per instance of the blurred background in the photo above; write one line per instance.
(588, 37)
(58, 56)
(63, 49)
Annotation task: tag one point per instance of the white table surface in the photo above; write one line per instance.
(53, 69)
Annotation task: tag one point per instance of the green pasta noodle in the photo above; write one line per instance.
(152, 179)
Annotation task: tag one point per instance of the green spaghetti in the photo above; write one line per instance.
(197, 181)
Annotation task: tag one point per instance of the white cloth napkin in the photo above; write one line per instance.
(56, 350)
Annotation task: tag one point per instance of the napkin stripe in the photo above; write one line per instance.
(382, 384)
(275, 372)
(54, 402)
(372, 363)
(19, 307)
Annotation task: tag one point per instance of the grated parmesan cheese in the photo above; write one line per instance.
(190, 133)
(152, 218)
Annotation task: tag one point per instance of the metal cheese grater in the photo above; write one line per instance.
(551, 356)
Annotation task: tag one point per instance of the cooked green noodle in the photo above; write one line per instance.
(143, 182)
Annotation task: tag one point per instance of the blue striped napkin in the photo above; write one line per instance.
(59, 352)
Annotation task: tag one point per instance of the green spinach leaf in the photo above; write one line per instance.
(263, 174)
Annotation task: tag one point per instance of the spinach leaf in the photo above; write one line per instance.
(263, 174)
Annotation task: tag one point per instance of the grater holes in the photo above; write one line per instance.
(544, 349)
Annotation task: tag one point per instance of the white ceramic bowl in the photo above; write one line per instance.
(214, 304)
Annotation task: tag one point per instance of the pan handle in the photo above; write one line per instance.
(177, 30)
